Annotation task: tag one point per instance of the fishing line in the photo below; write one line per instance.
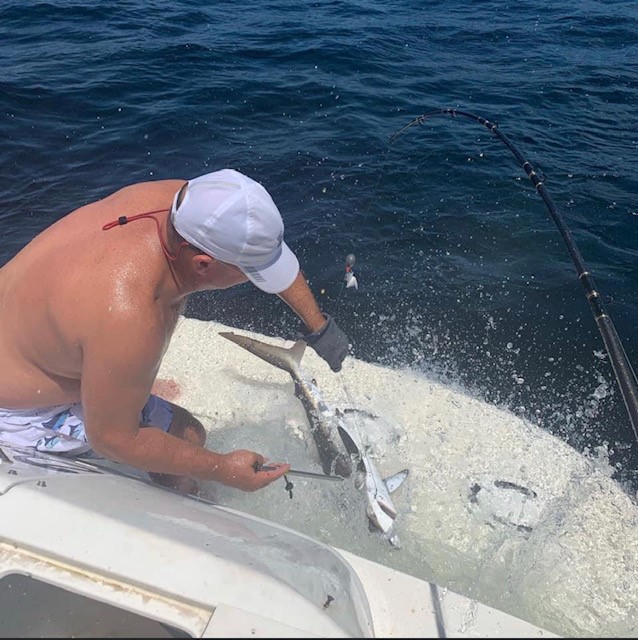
(623, 371)
(350, 260)
(364, 217)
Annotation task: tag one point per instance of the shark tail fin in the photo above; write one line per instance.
(286, 359)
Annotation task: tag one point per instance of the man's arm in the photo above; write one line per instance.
(301, 300)
(120, 363)
(323, 334)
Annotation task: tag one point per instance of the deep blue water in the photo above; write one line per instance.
(462, 273)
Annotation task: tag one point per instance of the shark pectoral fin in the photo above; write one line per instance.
(392, 483)
(349, 443)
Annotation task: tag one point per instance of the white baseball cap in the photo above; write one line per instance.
(231, 217)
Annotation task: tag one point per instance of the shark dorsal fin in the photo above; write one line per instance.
(297, 350)
(281, 357)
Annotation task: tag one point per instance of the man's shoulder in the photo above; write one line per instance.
(152, 194)
(150, 187)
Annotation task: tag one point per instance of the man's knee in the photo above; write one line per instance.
(186, 426)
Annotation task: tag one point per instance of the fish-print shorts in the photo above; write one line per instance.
(60, 429)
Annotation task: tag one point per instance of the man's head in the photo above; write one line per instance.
(232, 218)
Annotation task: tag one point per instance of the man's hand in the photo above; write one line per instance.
(241, 470)
(330, 343)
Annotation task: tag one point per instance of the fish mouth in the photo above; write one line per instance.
(389, 510)
(379, 520)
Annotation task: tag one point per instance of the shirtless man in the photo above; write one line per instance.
(88, 307)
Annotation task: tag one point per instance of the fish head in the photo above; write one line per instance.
(380, 516)
(379, 509)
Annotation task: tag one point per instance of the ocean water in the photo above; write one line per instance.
(462, 274)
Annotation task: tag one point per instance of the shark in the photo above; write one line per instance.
(340, 448)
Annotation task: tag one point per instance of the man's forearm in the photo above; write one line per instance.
(155, 451)
(301, 300)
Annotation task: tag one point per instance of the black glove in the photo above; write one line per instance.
(330, 343)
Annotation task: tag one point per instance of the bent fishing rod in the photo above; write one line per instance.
(625, 375)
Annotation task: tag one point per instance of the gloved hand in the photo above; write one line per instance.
(330, 343)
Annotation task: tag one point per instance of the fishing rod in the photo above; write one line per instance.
(625, 375)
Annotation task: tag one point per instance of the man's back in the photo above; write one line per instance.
(64, 287)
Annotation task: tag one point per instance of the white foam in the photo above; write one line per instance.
(561, 548)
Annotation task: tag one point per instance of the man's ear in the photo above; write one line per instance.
(202, 263)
